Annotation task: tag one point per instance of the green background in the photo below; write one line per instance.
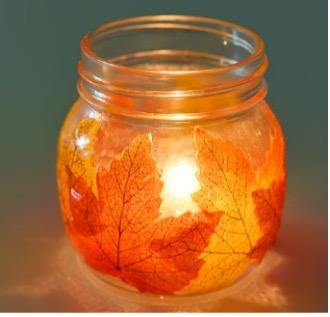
(39, 51)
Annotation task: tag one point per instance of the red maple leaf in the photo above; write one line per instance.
(268, 208)
(121, 231)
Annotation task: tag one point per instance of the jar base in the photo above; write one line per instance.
(112, 287)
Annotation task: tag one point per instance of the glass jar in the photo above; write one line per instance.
(171, 169)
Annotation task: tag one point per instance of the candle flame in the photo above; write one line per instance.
(180, 182)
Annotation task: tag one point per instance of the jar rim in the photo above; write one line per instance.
(259, 43)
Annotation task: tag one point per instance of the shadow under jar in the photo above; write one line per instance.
(170, 167)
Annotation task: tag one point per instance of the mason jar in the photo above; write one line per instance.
(171, 164)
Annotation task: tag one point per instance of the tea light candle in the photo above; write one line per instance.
(180, 182)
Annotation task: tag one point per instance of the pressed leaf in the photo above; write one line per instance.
(76, 149)
(269, 200)
(85, 211)
(226, 179)
(268, 208)
(153, 254)
(274, 166)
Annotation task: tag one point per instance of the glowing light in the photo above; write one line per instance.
(82, 141)
(180, 182)
(180, 179)
(94, 115)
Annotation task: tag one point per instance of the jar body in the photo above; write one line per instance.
(171, 208)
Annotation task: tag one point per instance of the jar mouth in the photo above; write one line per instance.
(170, 56)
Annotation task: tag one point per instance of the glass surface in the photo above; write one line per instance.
(171, 209)
(171, 179)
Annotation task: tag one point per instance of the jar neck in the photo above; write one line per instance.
(172, 68)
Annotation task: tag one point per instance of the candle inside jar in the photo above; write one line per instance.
(180, 182)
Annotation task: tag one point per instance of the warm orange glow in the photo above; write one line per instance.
(180, 180)
(193, 224)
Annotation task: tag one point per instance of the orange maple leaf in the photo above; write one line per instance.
(75, 150)
(269, 200)
(251, 201)
(226, 179)
(268, 208)
(84, 209)
(121, 232)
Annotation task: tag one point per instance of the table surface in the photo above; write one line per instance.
(42, 272)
